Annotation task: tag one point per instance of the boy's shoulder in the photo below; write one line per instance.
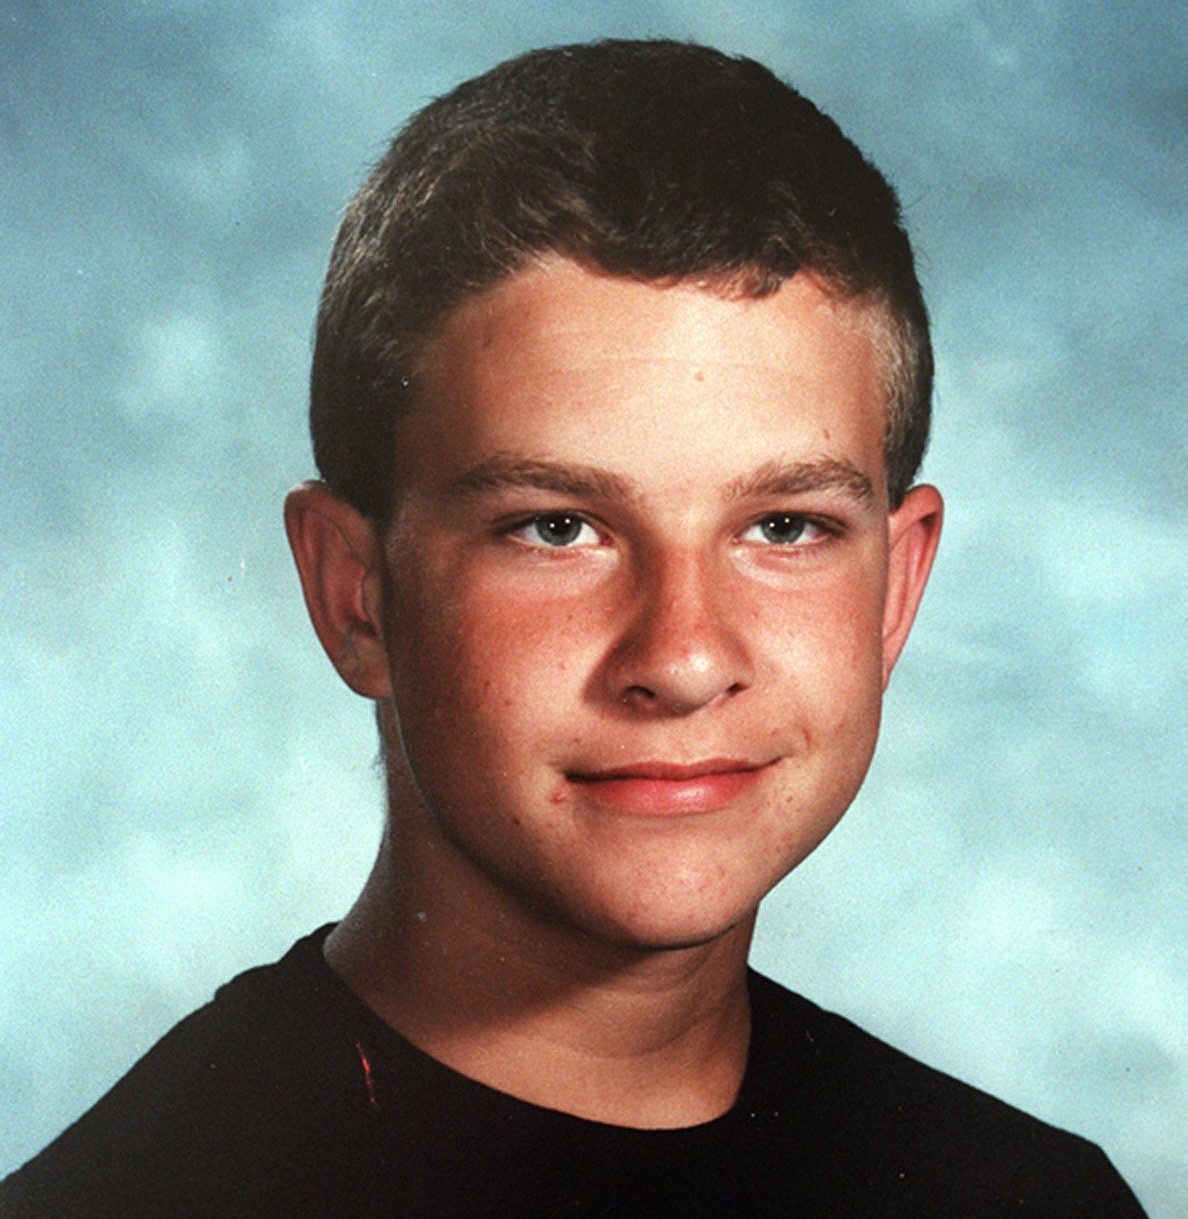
(286, 1095)
(258, 1085)
(876, 1120)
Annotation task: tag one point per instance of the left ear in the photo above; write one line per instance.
(914, 530)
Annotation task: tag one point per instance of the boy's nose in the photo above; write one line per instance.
(682, 649)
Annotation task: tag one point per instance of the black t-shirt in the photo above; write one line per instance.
(287, 1096)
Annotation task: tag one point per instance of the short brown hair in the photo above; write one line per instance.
(653, 160)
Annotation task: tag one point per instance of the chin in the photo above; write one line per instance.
(675, 890)
(663, 921)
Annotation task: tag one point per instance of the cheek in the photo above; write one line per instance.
(483, 662)
(829, 655)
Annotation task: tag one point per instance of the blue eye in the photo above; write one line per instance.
(783, 529)
(557, 530)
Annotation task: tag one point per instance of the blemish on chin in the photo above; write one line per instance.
(560, 795)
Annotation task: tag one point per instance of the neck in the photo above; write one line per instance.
(616, 1033)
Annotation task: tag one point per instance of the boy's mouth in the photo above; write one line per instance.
(658, 789)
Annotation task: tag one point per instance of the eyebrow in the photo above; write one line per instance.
(504, 471)
(508, 471)
(797, 477)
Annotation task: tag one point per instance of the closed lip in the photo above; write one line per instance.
(674, 772)
(669, 789)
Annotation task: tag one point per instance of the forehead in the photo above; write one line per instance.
(609, 369)
(555, 300)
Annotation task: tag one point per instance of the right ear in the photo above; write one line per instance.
(337, 552)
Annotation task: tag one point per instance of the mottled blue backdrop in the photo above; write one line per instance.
(185, 785)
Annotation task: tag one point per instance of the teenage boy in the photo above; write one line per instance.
(621, 383)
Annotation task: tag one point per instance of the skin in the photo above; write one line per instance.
(629, 628)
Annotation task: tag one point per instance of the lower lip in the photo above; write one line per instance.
(671, 797)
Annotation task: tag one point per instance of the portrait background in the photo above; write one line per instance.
(187, 787)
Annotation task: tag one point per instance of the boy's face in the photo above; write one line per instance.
(636, 613)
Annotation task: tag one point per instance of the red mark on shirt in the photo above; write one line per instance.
(368, 1077)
